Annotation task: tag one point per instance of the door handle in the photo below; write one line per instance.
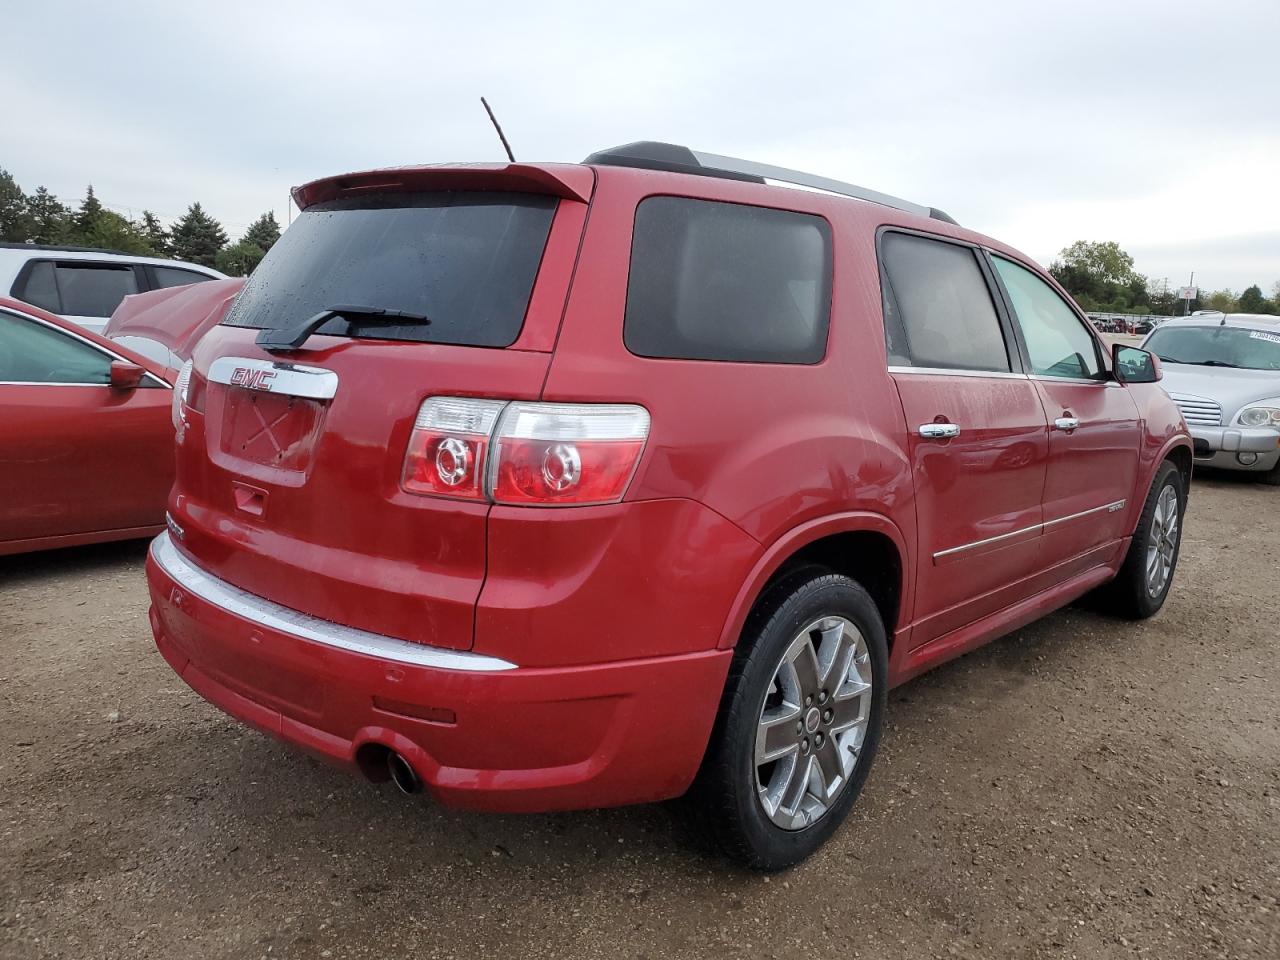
(1066, 423)
(939, 431)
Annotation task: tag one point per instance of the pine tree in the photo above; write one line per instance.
(88, 219)
(15, 219)
(50, 219)
(264, 232)
(156, 235)
(197, 237)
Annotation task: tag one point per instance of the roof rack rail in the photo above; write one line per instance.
(65, 248)
(655, 155)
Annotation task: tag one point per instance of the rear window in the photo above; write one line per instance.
(467, 261)
(726, 281)
(77, 289)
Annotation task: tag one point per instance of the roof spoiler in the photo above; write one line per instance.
(569, 181)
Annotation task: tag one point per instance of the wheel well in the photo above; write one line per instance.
(867, 557)
(1180, 457)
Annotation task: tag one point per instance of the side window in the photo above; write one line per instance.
(938, 308)
(93, 289)
(177, 277)
(1058, 343)
(39, 288)
(31, 352)
(726, 281)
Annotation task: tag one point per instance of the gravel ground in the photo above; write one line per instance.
(1083, 788)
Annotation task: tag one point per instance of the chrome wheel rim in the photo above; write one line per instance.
(813, 722)
(1162, 544)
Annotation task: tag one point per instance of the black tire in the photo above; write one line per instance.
(1128, 595)
(724, 796)
(1272, 477)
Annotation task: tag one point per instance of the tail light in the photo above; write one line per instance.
(180, 388)
(448, 447)
(532, 454)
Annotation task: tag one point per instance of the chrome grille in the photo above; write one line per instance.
(1199, 410)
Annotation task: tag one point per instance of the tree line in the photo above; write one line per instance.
(1101, 277)
(195, 237)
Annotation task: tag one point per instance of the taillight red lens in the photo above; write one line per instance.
(542, 472)
(448, 446)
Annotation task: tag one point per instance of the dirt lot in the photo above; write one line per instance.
(1084, 788)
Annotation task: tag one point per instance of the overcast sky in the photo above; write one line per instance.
(1153, 124)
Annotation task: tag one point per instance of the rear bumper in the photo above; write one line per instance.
(480, 732)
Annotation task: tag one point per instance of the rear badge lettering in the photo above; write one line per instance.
(252, 379)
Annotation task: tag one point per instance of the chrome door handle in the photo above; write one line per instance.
(939, 431)
(1066, 423)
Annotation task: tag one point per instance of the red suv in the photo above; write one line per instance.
(560, 486)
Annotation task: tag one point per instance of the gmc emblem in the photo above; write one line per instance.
(252, 379)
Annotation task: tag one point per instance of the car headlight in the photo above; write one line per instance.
(1259, 417)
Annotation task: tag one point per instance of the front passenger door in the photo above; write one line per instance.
(1094, 434)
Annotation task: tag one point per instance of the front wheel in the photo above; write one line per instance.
(799, 721)
(1140, 588)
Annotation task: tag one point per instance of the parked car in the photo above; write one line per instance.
(1143, 327)
(1223, 371)
(544, 511)
(86, 285)
(86, 439)
(165, 325)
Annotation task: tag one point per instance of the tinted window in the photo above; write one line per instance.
(1058, 343)
(40, 288)
(1217, 346)
(467, 261)
(724, 281)
(938, 308)
(177, 277)
(31, 352)
(93, 290)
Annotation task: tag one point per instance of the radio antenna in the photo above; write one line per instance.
(501, 136)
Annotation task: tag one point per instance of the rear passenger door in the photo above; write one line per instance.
(976, 431)
(1094, 434)
(85, 291)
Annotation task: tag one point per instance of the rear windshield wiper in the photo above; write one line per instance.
(1211, 363)
(291, 338)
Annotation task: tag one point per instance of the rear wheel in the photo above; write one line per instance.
(799, 722)
(1140, 588)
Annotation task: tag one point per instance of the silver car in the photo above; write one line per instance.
(1223, 372)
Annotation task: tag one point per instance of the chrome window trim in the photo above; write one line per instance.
(274, 616)
(949, 372)
(74, 336)
(1113, 507)
(288, 379)
(1094, 380)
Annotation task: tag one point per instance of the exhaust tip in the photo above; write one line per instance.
(402, 773)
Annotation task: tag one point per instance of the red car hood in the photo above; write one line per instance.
(176, 317)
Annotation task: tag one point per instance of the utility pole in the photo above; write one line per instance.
(1186, 304)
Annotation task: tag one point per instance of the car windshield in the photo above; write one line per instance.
(1217, 346)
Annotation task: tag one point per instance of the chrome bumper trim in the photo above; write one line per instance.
(273, 616)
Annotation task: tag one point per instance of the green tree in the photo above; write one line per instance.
(1101, 275)
(88, 219)
(111, 231)
(156, 235)
(1275, 296)
(15, 220)
(239, 259)
(50, 219)
(197, 237)
(1223, 300)
(263, 233)
(1252, 301)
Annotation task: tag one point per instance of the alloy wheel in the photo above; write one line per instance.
(1162, 544)
(813, 722)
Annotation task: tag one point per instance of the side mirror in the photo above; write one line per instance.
(125, 376)
(1135, 365)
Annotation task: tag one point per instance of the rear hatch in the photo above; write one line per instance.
(290, 458)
